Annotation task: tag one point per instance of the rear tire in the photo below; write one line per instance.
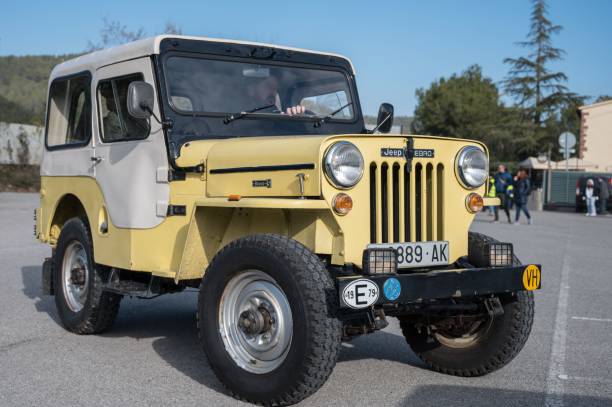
(82, 306)
(298, 313)
(494, 345)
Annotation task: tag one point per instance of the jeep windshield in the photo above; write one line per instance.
(220, 98)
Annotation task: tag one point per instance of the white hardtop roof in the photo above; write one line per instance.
(146, 47)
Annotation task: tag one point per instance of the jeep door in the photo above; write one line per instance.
(68, 141)
(130, 154)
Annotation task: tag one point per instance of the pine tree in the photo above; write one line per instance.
(537, 89)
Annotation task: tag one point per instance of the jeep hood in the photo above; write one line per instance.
(271, 166)
(258, 166)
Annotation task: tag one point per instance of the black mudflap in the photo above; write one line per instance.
(47, 277)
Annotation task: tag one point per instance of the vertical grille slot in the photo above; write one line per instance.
(373, 207)
(396, 205)
(429, 194)
(418, 198)
(440, 202)
(384, 169)
(406, 205)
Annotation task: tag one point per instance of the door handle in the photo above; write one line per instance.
(96, 159)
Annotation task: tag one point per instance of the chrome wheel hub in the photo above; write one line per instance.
(75, 276)
(255, 321)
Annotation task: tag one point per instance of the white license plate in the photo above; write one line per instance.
(419, 254)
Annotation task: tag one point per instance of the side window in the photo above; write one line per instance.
(69, 118)
(328, 103)
(116, 124)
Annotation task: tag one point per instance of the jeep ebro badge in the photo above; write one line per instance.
(245, 171)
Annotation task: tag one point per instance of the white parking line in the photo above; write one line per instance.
(556, 370)
(593, 319)
(600, 380)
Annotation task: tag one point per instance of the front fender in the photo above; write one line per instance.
(217, 222)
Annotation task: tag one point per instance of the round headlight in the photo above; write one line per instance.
(472, 167)
(343, 164)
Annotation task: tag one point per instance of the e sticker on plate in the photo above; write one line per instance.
(360, 293)
(531, 277)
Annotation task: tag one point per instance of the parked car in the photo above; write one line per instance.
(581, 186)
(245, 170)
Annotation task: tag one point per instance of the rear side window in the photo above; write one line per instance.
(69, 114)
(116, 124)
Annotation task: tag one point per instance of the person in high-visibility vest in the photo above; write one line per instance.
(510, 196)
(491, 193)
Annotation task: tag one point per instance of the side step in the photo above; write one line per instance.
(138, 284)
(131, 288)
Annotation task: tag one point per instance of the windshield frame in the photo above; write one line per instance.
(255, 116)
(179, 126)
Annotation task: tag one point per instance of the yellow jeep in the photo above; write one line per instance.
(246, 170)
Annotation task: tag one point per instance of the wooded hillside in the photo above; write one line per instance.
(23, 87)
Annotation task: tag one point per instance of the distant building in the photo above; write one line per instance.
(596, 135)
(395, 129)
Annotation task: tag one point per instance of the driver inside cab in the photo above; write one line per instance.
(264, 94)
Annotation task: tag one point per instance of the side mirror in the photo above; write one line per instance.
(385, 118)
(140, 100)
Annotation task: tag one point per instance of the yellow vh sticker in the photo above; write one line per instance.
(531, 277)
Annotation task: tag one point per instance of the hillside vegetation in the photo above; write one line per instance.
(23, 87)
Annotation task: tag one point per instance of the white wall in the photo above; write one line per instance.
(20, 143)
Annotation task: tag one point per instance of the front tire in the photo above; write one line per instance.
(82, 306)
(266, 320)
(485, 345)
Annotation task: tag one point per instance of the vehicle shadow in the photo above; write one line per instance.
(170, 323)
(32, 288)
(382, 345)
(439, 395)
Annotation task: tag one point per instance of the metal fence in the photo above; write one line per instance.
(563, 186)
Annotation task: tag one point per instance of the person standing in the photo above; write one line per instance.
(604, 195)
(591, 197)
(503, 179)
(491, 193)
(521, 195)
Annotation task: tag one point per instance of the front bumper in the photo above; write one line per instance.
(358, 292)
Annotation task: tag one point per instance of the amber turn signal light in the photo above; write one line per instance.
(474, 202)
(342, 203)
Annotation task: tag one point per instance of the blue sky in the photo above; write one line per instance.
(396, 46)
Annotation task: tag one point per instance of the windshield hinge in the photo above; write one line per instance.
(167, 124)
(174, 175)
(176, 210)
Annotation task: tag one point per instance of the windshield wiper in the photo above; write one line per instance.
(237, 116)
(325, 119)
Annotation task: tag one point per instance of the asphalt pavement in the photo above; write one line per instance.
(151, 356)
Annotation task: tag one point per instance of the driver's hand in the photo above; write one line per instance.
(293, 110)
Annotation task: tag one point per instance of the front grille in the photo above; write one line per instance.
(406, 204)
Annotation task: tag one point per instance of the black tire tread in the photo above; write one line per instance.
(522, 313)
(313, 276)
(103, 306)
(520, 331)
